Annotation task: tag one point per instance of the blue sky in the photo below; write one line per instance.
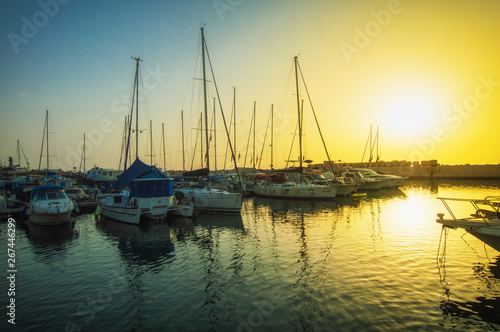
(77, 65)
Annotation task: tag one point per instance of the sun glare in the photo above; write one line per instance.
(409, 114)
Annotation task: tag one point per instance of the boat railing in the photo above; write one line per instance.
(492, 201)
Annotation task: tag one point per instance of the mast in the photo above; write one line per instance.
(298, 110)
(205, 97)
(151, 141)
(82, 161)
(272, 124)
(136, 105)
(215, 141)
(48, 167)
(201, 139)
(254, 118)
(234, 119)
(18, 154)
(45, 136)
(182, 124)
(163, 139)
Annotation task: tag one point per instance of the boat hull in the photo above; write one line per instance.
(182, 210)
(130, 215)
(48, 219)
(212, 200)
(298, 192)
(488, 233)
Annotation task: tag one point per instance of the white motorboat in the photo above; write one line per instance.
(120, 207)
(483, 224)
(49, 205)
(278, 186)
(364, 183)
(388, 180)
(213, 200)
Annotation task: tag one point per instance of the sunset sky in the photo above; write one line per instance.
(426, 73)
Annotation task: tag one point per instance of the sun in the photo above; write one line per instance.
(409, 114)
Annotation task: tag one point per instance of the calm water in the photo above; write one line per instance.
(364, 264)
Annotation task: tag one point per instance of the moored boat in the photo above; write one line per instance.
(49, 205)
(483, 224)
(120, 207)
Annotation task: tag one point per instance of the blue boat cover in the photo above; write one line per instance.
(138, 170)
(152, 188)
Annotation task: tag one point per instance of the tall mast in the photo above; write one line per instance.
(84, 156)
(43, 140)
(298, 110)
(205, 96)
(82, 161)
(183, 159)
(234, 119)
(136, 87)
(163, 139)
(201, 139)
(215, 141)
(151, 141)
(254, 120)
(19, 153)
(48, 167)
(272, 125)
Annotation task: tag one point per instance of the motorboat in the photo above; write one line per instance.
(364, 184)
(49, 205)
(213, 200)
(387, 180)
(483, 224)
(279, 186)
(120, 206)
(77, 194)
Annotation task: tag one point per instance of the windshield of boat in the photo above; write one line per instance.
(51, 193)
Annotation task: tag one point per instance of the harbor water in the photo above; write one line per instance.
(374, 263)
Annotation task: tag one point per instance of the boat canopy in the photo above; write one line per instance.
(139, 170)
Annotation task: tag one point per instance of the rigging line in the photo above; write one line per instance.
(316, 119)
(224, 118)
(293, 141)
(264, 142)
(227, 142)
(248, 141)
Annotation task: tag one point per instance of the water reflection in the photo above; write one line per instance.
(148, 244)
(482, 311)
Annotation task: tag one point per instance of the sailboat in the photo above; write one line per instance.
(210, 199)
(149, 192)
(280, 186)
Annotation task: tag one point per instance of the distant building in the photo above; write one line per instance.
(103, 174)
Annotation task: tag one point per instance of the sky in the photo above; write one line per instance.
(425, 73)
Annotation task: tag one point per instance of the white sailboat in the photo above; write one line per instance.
(300, 187)
(209, 199)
